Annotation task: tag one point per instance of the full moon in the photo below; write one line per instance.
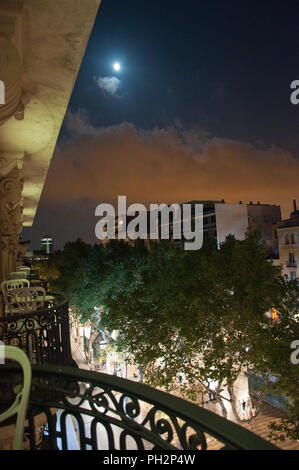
(116, 66)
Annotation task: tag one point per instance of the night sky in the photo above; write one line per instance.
(200, 109)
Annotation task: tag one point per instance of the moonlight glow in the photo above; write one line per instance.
(116, 66)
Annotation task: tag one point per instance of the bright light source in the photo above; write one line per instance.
(116, 66)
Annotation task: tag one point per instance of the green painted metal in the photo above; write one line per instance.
(19, 406)
(152, 418)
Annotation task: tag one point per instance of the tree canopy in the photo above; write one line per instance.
(198, 313)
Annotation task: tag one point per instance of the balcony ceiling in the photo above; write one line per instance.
(51, 37)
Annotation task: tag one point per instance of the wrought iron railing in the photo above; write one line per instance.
(89, 410)
(44, 335)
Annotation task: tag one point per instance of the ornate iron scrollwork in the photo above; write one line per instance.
(44, 335)
(107, 412)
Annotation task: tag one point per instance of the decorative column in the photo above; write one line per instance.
(10, 158)
(11, 209)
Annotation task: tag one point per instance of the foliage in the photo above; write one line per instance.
(200, 314)
(64, 269)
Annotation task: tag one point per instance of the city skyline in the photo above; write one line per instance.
(199, 110)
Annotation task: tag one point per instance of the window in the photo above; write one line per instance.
(293, 276)
(274, 314)
(287, 239)
(291, 258)
(293, 239)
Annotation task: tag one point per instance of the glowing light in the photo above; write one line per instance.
(116, 66)
(274, 314)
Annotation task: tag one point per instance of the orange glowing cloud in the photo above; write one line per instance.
(166, 165)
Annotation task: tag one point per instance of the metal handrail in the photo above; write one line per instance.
(43, 334)
(59, 301)
(115, 402)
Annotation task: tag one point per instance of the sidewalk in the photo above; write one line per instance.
(259, 426)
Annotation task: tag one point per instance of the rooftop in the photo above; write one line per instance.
(293, 221)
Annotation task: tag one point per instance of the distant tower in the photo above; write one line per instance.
(46, 244)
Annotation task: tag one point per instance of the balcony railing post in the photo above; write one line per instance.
(44, 335)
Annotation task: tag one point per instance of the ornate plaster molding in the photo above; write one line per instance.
(10, 59)
(6, 168)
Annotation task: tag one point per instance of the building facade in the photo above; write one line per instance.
(46, 244)
(41, 48)
(221, 219)
(236, 219)
(288, 242)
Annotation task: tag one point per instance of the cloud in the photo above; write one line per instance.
(166, 165)
(78, 123)
(110, 85)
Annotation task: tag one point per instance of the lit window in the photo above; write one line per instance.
(274, 315)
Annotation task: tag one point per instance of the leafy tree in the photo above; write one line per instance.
(200, 314)
(64, 269)
(274, 362)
